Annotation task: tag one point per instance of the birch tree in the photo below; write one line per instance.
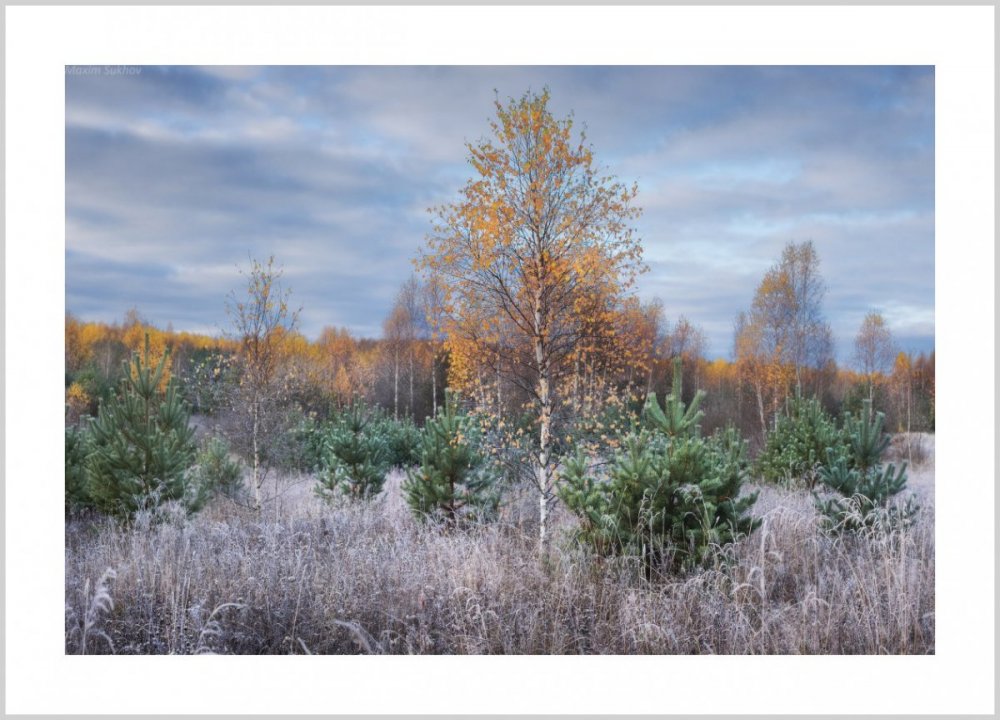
(261, 323)
(874, 350)
(430, 330)
(810, 336)
(409, 300)
(397, 332)
(536, 232)
(785, 331)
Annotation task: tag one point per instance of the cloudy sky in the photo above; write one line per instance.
(175, 176)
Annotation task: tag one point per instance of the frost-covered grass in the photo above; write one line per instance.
(305, 576)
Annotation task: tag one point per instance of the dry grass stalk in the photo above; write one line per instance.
(348, 578)
(95, 606)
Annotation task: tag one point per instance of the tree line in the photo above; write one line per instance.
(407, 375)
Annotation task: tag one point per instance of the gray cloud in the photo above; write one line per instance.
(176, 175)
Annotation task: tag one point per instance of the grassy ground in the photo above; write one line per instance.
(307, 577)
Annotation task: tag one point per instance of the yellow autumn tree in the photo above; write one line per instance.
(342, 388)
(536, 235)
(77, 403)
(784, 331)
(76, 351)
(335, 354)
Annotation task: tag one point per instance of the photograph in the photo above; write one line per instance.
(500, 359)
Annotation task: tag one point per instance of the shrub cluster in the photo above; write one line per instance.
(139, 453)
(353, 450)
(402, 440)
(355, 456)
(305, 444)
(215, 472)
(454, 481)
(797, 448)
(669, 495)
(671, 501)
(862, 487)
(855, 488)
(141, 446)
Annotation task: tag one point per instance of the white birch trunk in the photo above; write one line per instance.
(434, 391)
(545, 420)
(409, 405)
(395, 385)
(255, 480)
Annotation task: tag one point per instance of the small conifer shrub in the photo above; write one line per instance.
(402, 439)
(669, 495)
(77, 449)
(453, 481)
(861, 487)
(671, 501)
(215, 472)
(355, 456)
(797, 448)
(141, 445)
(305, 441)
